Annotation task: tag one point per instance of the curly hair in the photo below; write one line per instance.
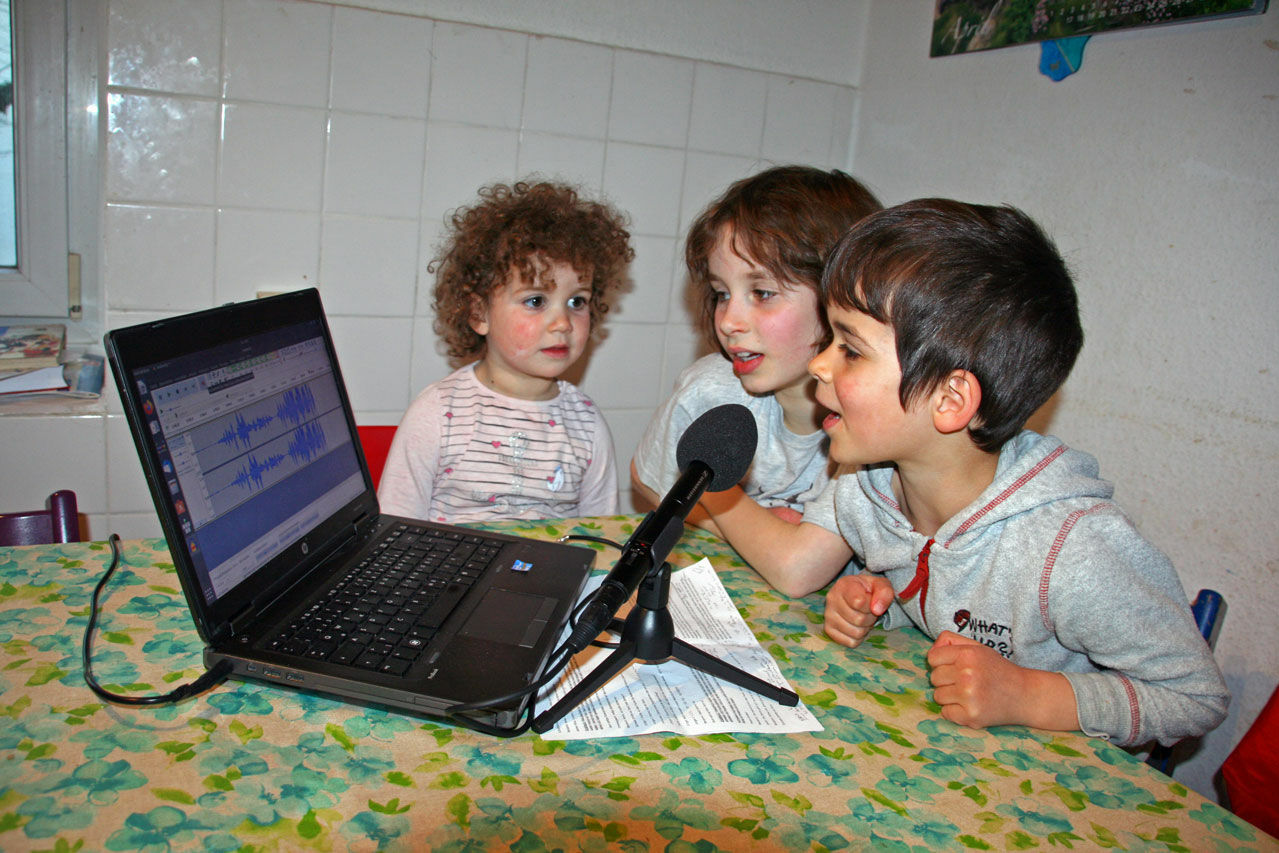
(785, 219)
(510, 227)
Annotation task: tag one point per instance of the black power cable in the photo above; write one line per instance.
(216, 675)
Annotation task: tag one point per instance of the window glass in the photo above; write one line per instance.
(8, 219)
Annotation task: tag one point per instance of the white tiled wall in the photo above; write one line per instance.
(262, 145)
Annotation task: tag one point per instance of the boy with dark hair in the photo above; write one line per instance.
(952, 323)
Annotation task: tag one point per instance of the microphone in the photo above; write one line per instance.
(713, 455)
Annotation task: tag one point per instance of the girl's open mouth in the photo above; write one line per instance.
(745, 362)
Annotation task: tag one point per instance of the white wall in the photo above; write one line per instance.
(817, 39)
(1154, 168)
(259, 145)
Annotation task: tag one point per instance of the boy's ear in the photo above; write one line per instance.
(955, 402)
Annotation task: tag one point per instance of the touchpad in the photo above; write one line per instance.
(513, 618)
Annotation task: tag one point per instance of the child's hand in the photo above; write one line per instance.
(972, 682)
(853, 606)
(785, 513)
(978, 687)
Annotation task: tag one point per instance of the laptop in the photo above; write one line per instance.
(292, 574)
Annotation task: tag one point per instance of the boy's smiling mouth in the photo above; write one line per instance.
(832, 417)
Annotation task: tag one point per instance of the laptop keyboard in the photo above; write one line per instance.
(383, 614)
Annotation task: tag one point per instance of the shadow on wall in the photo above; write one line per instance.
(1041, 420)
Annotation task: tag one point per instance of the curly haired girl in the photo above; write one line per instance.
(524, 277)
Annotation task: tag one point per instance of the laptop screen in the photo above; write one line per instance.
(254, 447)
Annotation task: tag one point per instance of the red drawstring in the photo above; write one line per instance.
(919, 583)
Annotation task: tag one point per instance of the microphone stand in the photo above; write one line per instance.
(648, 635)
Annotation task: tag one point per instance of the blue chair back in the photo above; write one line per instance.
(1209, 611)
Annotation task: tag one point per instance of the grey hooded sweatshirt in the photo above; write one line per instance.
(1045, 569)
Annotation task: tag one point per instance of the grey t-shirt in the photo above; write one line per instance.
(788, 469)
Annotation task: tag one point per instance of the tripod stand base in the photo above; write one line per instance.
(685, 653)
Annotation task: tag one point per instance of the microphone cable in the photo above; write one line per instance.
(559, 660)
(211, 677)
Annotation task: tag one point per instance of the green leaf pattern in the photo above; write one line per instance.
(256, 767)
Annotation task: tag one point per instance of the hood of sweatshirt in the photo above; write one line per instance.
(1032, 470)
(1038, 482)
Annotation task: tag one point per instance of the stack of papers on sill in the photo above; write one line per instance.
(40, 380)
(672, 697)
(79, 378)
(31, 359)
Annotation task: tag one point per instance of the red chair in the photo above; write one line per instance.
(1251, 771)
(59, 521)
(376, 441)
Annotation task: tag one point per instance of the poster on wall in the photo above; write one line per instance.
(963, 26)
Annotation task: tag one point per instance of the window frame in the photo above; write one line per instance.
(57, 151)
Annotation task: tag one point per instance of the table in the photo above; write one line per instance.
(250, 765)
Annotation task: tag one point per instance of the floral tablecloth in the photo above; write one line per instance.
(257, 767)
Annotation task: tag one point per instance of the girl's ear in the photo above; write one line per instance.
(955, 402)
(479, 317)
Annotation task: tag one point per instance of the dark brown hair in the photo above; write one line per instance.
(968, 287)
(505, 231)
(785, 219)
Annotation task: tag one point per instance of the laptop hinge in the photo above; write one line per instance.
(365, 523)
(238, 622)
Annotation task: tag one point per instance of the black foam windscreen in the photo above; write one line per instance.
(723, 439)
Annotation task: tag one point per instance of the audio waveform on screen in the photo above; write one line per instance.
(307, 442)
(249, 476)
(296, 405)
(240, 433)
(304, 444)
(242, 454)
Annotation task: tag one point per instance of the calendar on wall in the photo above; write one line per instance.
(963, 26)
